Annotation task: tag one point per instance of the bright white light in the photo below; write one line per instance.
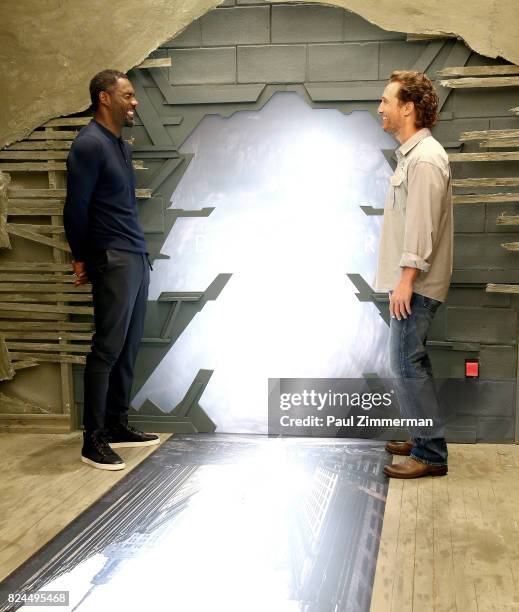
(286, 183)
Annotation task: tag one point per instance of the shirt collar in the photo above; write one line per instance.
(107, 131)
(413, 141)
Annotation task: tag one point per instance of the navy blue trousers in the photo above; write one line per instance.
(120, 282)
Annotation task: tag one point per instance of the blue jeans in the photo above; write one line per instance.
(411, 368)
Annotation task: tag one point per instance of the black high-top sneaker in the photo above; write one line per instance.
(98, 454)
(124, 435)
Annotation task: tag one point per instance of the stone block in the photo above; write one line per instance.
(469, 218)
(272, 64)
(190, 37)
(343, 62)
(485, 325)
(203, 66)
(307, 23)
(498, 362)
(484, 252)
(398, 56)
(238, 25)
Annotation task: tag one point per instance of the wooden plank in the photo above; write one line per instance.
(57, 326)
(515, 110)
(33, 266)
(485, 197)
(46, 297)
(138, 164)
(481, 82)
(37, 203)
(486, 182)
(142, 194)
(35, 309)
(35, 237)
(495, 288)
(17, 192)
(25, 210)
(423, 586)
(500, 143)
(38, 145)
(22, 365)
(48, 348)
(466, 71)
(47, 316)
(33, 155)
(43, 335)
(481, 157)
(50, 357)
(485, 134)
(505, 219)
(159, 62)
(53, 135)
(67, 122)
(37, 278)
(41, 229)
(32, 166)
(510, 246)
(44, 287)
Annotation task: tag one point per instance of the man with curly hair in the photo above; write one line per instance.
(415, 264)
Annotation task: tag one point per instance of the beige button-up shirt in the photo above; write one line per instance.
(417, 230)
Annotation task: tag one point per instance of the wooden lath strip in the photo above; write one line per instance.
(485, 197)
(481, 157)
(38, 278)
(57, 358)
(515, 110)
(21, 365)
(32, 166)
(57, 326)
(35, 316)
(44, 288)
(34, 210)
(159, 62)
(46, 297)
(36, 309)
(504, 219)
(43, 335)
(67, 122)
(510, 246)
(48, 348)
(485, 134)
(467, 71)
(43, 229)
(16, 192)
(501, 288)
(500, 143)
(35, 237)
(53, 135)
(486, 182)
(37, 145)
(32, 266)
(33, 155)
(470, 82)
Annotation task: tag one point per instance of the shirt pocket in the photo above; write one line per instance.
(397, 190)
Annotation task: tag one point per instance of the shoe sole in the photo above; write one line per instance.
(409, 477)
(400, 453)
(133, 444)
(112, 467)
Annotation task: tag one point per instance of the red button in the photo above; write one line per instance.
(472, 369)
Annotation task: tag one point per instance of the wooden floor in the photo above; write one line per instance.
(44, 486)
(452, 542)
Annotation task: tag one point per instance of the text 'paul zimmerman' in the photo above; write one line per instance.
(366, 401)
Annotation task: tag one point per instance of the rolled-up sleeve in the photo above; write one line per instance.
(83, 164)
(426, 184)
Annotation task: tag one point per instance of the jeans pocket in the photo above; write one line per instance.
(430, 303)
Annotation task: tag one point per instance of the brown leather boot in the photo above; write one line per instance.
(410, 468)
(400, 448)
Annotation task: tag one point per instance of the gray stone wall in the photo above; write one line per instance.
(237, 55)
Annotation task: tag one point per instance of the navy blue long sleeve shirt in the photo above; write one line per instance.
(100, 209)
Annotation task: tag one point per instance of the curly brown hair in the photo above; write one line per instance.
(416, 87)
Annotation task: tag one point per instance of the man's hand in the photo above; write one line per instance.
(79, 270)
(400, 300)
